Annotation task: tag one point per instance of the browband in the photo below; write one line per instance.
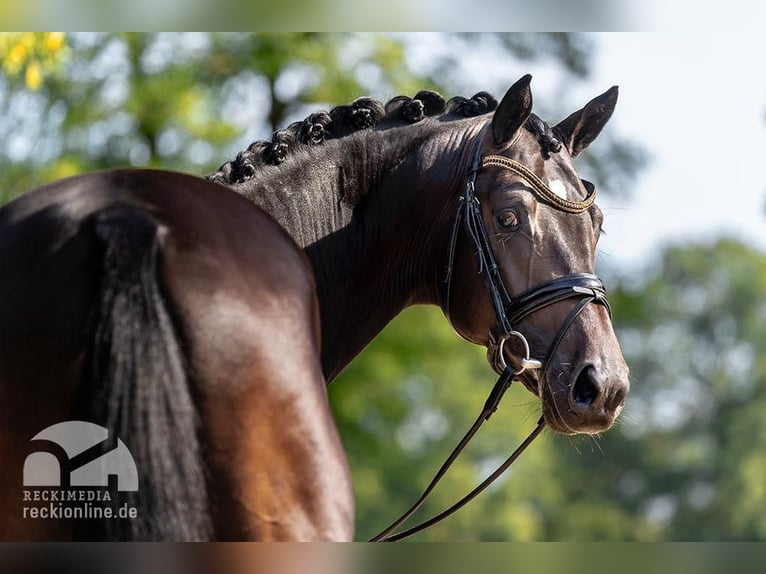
(543, 191)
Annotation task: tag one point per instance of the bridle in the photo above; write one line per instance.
(509, 311)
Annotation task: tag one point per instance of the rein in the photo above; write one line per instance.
(586, 287)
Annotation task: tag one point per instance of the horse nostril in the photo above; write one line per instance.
(586, 388)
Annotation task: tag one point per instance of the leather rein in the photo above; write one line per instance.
(585, 287)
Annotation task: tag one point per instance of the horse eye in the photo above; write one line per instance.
(507, 221)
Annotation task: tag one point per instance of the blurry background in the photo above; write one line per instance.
(684, 254)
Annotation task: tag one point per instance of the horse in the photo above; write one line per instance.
(200, 320)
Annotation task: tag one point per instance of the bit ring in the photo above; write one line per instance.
(527, 362)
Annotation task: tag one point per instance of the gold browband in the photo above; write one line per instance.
(543, 191)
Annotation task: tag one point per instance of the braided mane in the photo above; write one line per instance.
(364, 113)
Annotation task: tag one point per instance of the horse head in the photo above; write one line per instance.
(536, 303)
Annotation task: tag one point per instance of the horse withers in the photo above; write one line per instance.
(200, 325)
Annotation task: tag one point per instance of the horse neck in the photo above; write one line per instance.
(372, 212)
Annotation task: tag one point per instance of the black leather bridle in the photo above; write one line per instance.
(509, 311)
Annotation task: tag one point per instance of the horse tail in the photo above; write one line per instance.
(137, 385)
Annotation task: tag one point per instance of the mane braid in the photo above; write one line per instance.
(362, 113)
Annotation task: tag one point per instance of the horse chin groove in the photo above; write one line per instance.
(554, 422)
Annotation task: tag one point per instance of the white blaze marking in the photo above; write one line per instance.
(558, 188)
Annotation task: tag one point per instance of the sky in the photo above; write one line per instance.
(697, 103)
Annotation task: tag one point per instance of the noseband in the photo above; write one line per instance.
(509, 311)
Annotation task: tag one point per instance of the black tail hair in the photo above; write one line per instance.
(137, 386)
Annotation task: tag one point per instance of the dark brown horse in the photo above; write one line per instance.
(183, 317)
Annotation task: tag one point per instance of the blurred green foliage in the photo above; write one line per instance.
(696, 337)
(687, 461)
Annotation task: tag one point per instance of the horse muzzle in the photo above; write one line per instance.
(587, 399)
(589, 403)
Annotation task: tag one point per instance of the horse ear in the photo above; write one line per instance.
(581, 128)
(513, 111)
